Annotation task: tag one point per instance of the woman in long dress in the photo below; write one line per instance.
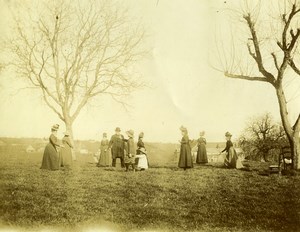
(66, 151)
(51, 158)
(185, 158)
(104, 160)
(231, 155)
(201, 153)
(141, 154)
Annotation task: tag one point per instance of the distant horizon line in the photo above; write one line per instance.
(147, 141)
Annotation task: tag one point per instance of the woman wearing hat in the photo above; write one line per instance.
(51, 159)
(104, 160)
(141, 154)
(185, 157)
(201, 153)
(129, 157)
(66, 151)
(231, 155)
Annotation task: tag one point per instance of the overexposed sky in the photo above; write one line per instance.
(185, 89)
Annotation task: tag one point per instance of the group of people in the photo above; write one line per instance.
(60, 154)
(56, 154)
(231, 159)
(124, 149)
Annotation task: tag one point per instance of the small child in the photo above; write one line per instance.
(129, 158)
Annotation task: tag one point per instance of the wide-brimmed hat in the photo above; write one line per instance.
(143, 150)
(182, 128)
(141, 135)
(118, 129)
(202, 133)
(227, 134)
(55, 127)
(130, 133)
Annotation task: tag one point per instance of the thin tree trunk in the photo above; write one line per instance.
(69, 128)
(295, 145)
(293, 137)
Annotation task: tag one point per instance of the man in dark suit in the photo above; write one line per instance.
(117, 147)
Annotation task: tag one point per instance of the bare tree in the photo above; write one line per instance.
(262, 135)
(271, 44)
(73, 52)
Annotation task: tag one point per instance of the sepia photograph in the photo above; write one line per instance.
(150, 115)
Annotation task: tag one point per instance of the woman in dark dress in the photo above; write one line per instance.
(185, 157)
(51, 158)
(201, 153)
(66, 151)
(231, 155)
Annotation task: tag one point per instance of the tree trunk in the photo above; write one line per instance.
(69, 128)
(292, 136)
(295, 145)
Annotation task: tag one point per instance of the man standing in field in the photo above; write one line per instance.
(117, 147)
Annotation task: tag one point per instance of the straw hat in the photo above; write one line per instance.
(141, 135)
(143, 150)
(55, 127)
(182, 128)
(227, 134)
(130, 133)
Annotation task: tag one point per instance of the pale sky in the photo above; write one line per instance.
(186, 90)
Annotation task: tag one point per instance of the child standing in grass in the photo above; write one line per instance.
(129, 158)
(185, 158)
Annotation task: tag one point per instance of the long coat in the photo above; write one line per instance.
(129, 151)
(117, 146)
(51, 158)
(104, 159)
(185, 157)
(201, 153)
(66, 152)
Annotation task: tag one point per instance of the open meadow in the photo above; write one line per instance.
(163, 198)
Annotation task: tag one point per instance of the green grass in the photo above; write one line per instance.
(164, 198)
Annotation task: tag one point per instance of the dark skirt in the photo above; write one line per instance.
(51, 158)
(201, 154)
(185, 158)
(231, 158)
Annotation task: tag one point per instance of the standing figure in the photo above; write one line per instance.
(141, 154)
(66, 151)
(231, 155)
(104, 160)
(51, 158)
(129, 151)
(185, 157)
(117, 147)
(201, 153)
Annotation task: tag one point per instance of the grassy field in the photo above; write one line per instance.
(163, 198)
